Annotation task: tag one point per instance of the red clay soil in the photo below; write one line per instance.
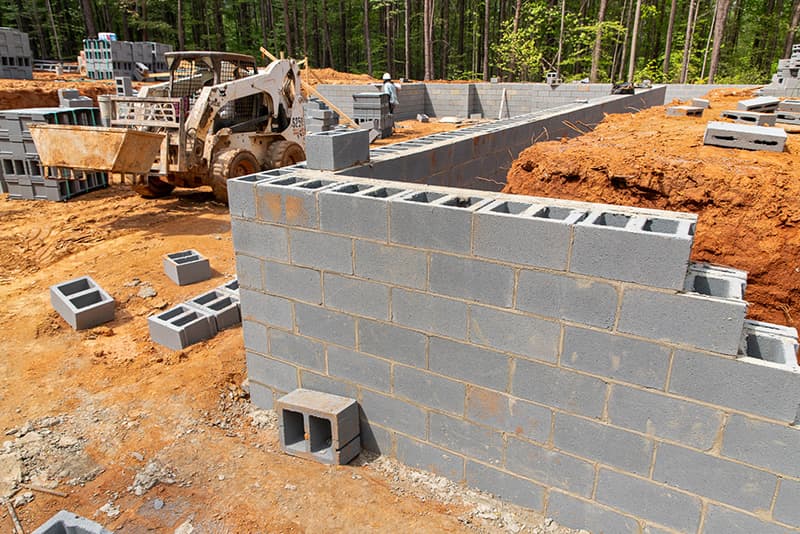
(747, 202)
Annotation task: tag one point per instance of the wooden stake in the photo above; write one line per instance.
(44, 490)
(13, 513)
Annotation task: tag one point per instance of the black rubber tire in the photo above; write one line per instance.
(231, 164)
(284, 153)
(154, 188)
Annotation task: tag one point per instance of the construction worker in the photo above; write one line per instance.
(391, 90)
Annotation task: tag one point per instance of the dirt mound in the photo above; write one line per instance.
(334, 77)
(42, 91)
(747, 202)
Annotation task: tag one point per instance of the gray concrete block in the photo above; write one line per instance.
(773, 447)
(297, 350)
(394, 414)
(231, 287)
(222, 307)
(181, 326)
(786, 509)
(560, 388)
(507, 414)
(260, 395)
(82, 303)
(357, 209)
(186, 267)
(576, 513)
(319, 426)
(744, 136)
(65, 522)
(273, 311)
(337, 149)
(359, 368)
(356, 296)
(248, 272)
(321, 251)
(523, 233)
(617, 357)
(324, 324)
(466, 438)
(429, 458)
(259, 240)
(750, 117)
(564, 297)
(684, 111)
(787, 117)
(715, 281)
(655, 414)
(433, 221)
(504, 331)
(255, 337)
(764, 104)
(715, 478)
(608, 445)
(327, 384)
(291, 200)
(505, 486)
(483, 282)
(689, 318)
(649, 501)
(790, 105)
(771, 343)
(395, 265)
(393, 343)
(469, 363)
(701, 103)
(429, 313)
(429, 390)
(293, 282)
(549, 467)
(270, 372)
(721, 520)
(649, 251)
(376, 439)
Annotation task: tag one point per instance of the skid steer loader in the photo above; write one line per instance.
(216, 118)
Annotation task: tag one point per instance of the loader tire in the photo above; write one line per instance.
(284, 153)
(154, 188)
(231, 164)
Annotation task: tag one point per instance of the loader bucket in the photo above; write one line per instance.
(120, 150)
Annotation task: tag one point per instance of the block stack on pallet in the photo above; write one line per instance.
(106, 60)
(319, 117)
(15, 55)
(371, 111)
(21, 174)
(786, 81)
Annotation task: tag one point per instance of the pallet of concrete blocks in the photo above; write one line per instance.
(16, 60)
(319, 426)
(750, 117)
(65, 522)
(181, 326)
(770, 343)
(319, 118)
(763, 104)
(743, 136)
(82, 303)
(187, 267)
(685, 111)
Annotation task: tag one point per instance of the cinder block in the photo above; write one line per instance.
(501, 330)
(507, 414)
(266, 309)
(715, 281)
(608, 445)
(433, 221)
(429, 313)
(65, 522)
(222, 307)
(725, 520)
(786, 509)
(685, 111)
(181, 326)
(242, 194)
(319, 426)
(504, 485)
(395, 265)
(230, 287)
(429, 458)
(701, 103)
(82, 303)
(255, 337)
(356, 296)
(649, 501)
(297, 350)
(293, 282)
(187, 267)
(655, 414)
(466, 438)
(271, 372)
(393, 413)
(715, 478)
(469, 363)
(559, 388)
(475, 280)
(248, 272)
(337, 149)
(549, 467)
(357, 209)
(786, 117)
(764, 104)
(430, 390)
(290, 200)
(393, 343)
(324, 324)
(263, 241)
(617, 357)
(321, 251)
(750, 117)
(744, 136)
(790, 105)
(564, 297)
(705, 322)
(770, 342)
(326, 384)
(523, 233)
(646, 250)
(576, 513)
(773, 447)
(359, 368)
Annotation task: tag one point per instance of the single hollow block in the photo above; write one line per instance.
(688, 111)
(701, 103)
(356, 210)
(291, 200)
(715, 281)
(750, 117)
(770, 342)
(759, 103)
(792, 106)
(787, 117)
(231, 287)
(222, 306)
(187, 267)
(319, 426)
(337, 149)
(65, 522)
(181, 326)
(744, 136)
(82, 303)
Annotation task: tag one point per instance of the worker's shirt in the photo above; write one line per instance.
(391, 90)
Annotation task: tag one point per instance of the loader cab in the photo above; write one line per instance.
(189, 72)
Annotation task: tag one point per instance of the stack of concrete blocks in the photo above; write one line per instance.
(411, 96)
(68, 523)
(545, 351)
(745, 137)
(55, 66)
(82, 303)
(788, 112)
(319, 117)
(785, 82)
(337, 149)
(16, 59)
(71, 98)
(21, 173)
(371, 111)
(106, 60)
(684, 111)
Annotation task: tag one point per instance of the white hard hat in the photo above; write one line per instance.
(387, 76)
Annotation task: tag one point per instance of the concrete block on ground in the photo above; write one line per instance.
(527, 336)
(750, 117)
(65, 522)
(786, 509)
(429, 389)
(744, 136)
(701, 103)
(770, 342)
(82, 303)
(469, 363)
(222, 306)
(319, 426)
(560, 388)
(474, 280)
(767, 445)
(685, 111)
(357, 210)
(430, 458)
(727, 521)
(764, 104)
(505, 486)
(510, 415)
(549, 467)
(790, 105)
(576, 513)
(181, 326)
(788, 117)
(337, 149)
(230, 287)
(187, 267)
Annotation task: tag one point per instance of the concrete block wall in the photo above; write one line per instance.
(411, 97)
(497, 341)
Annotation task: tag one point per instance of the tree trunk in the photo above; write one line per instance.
(304, 21)
(181, 36)
(561, 37)
(88, 18)
(793, 25)
(462, 15)
(427, 38)
(286, 29)
(628, 30)
(634, 37)
(668, 46)
(598, 40)
(719, 29)
(37, 23)
(366, 38)
(486, 41)
(687, 43)
(407, 38)
(219, 28)
(445, 50)
(345, 62)
(55, 32)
